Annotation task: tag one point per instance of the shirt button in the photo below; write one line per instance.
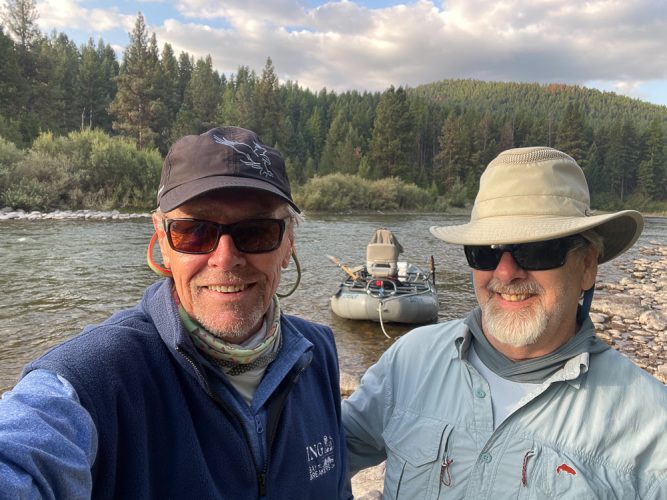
(486, 457)
(480, 393)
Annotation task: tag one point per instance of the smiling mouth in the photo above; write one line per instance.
(512, 297)
(227, 289)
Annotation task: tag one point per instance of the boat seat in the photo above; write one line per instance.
(382, 254)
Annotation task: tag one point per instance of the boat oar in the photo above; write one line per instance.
(431, 266)
(347, 270)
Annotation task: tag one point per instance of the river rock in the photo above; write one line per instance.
(661, 373)
(654, 320)
(18, 214)
(599, 318)
(368, 484)
(619, 304)
(7, 213)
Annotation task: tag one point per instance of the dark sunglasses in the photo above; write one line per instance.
(536, 256)
(201, 236)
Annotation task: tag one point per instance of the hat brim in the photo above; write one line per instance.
(619, 230)
(179, 195)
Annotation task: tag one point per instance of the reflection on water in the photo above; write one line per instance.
(58, 276)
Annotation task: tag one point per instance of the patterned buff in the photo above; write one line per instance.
(233, 359)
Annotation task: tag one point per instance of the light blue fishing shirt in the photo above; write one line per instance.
(596, 428)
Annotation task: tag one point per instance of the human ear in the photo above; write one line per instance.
(162, 239)
(590, 263)
(288, 254)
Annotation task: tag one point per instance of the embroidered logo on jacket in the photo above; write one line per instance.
(320, 457)
(255, 155)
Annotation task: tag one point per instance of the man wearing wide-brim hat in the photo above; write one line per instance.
(520, 399)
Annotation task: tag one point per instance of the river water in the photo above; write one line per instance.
(58, 276)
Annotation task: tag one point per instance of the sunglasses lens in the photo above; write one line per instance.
(249, 236)
(257, 236)
(537, 256)
(193, 236)
(483, 258)
(541, 255)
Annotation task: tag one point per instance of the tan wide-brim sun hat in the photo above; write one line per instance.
(538, 194)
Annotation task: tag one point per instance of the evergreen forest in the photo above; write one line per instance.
(79, 129)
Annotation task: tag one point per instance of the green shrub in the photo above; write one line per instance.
(383, 194)
(334, 193)
(88, 169)
(10, 155)
(40, 182)
(343, 192)
(457, 194)
(10, 130)
(414, 197)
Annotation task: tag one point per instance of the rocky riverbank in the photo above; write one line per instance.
(8, 213)
(630, 315)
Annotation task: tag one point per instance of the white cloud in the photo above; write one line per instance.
(343, 44)
(244, 12)
(69, 14)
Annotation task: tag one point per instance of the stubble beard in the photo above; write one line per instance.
(245, 324)
(518, 328)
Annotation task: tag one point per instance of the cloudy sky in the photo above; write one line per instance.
(616, 45)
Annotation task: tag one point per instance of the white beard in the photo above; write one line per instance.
(518, 328)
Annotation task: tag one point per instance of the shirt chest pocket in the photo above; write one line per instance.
(415, 446)
(550, 473)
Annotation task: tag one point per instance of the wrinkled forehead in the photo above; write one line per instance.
(234, 203)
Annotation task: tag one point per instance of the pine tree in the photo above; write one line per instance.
(571, 137)
(202, 95)
(109, 69)
(392, 147)
(341, 149)
(653, 168)
(97, 72)
(137, 107)
(316, 135)
(171, 91)
(20, 17)
(238, 106)
(621, 160)
(56, 76)
(270, 117)
(185, 65)
(90, 80)
(10, 75)
(451, 161)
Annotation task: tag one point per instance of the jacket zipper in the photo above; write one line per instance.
(274, 412)
(261, 476)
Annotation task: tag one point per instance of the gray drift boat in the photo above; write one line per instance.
(386, 289)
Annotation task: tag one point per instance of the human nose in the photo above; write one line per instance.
(226, 255)
(507, 269)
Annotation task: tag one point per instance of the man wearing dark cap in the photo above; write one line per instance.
(520, 399)
(205, 389)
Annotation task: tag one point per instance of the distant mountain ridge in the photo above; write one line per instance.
(541, 99)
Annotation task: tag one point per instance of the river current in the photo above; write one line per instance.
(57, 276)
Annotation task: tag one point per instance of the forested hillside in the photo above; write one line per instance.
(99, 127)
